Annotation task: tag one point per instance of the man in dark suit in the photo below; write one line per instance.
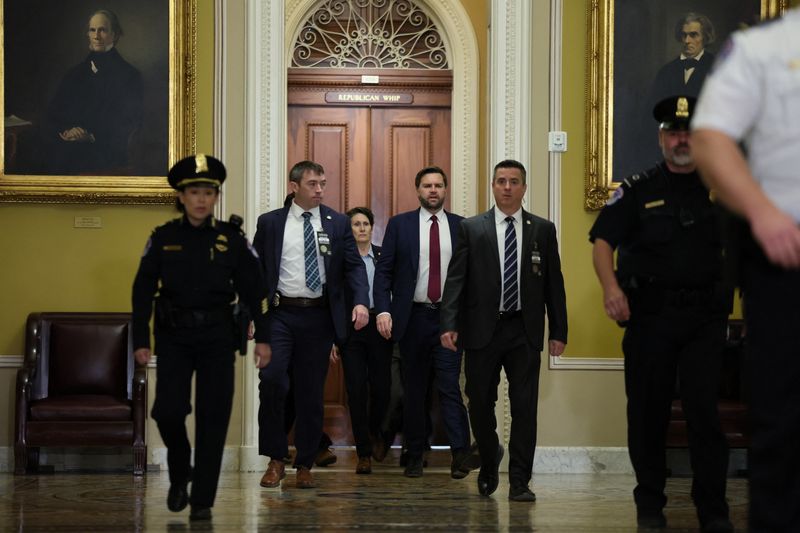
(504, 274)
(685, 74)
(408, 285)
(308, 254)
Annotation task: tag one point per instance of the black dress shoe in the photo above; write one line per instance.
(521, 493)
(178, 496)
(487, 482)
(413, 467)
(473, 459)
(651, 519)
(200, 513)
(717, 525)
(489, 476)
(404, 459)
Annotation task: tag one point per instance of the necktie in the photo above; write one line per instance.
(510, 290)
(435, 263)
(310, 251)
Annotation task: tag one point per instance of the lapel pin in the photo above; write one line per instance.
(328, 217)
(528, 222)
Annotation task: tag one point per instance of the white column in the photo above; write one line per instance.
(265, 166)
(510, 93)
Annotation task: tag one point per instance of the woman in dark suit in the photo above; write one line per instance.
(367, 358)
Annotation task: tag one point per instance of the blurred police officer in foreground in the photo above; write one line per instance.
(193, 268)
(668, 289)
(753, 97)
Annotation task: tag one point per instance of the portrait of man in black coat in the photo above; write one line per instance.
(88, 87)
(97, 107)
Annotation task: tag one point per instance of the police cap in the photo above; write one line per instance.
(197, 170)
(675, 112)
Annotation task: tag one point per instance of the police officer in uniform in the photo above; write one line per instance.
(753, 97)
(668, 288)
(193, 268)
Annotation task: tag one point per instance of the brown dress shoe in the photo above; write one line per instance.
(325, 458)
(364, 466)
(276, 471)
(304, 478)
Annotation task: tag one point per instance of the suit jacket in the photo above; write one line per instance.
(471, 297)
(669, 80)
(398, 267)
(376, 254)
(344, 267)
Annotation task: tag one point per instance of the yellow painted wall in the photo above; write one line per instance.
(47, 265)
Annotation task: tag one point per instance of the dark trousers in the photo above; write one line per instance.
(772, 355)
(301, 337)
(509, 349)
(660, 345)
(212, 359)
(289, 415)
(422, 351)
(367, 359)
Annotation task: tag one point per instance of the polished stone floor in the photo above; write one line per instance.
(384, 500)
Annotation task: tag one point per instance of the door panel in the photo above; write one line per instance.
(404, 141)
(371, 156)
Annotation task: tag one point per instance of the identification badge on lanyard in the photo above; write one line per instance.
(324, 243)
(536, 260)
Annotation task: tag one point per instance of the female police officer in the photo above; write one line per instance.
(196, 265)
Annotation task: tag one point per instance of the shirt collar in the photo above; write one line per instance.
(298, 211)
(697, 57)
(500, 217)
(426, 215)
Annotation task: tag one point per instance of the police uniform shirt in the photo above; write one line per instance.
(445, 252)
(292, 280)
(501, 225)
(753, 94)
(665, 228)
(199, 268)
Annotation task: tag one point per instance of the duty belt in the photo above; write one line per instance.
(198, 318)
(688, 297)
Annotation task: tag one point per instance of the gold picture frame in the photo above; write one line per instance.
(602, 175)
(168, 88)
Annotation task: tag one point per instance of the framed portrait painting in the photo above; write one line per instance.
(97, 99)
(641, 51)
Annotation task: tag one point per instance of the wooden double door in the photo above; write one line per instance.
(372, 140)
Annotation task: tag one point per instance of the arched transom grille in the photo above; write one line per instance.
(369, 34)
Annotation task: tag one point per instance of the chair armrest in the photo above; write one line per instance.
(23, 395)
(139, 401)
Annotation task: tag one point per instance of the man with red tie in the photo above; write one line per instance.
(407, 290)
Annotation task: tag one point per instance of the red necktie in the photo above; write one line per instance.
(434, 272)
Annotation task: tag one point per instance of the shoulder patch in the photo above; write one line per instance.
(615, 197)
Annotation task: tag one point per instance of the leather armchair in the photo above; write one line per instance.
(79, 386)
(731, 404)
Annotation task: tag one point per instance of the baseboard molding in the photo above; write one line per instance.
(586, 363)
(549, 460)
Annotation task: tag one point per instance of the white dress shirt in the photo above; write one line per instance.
(445, 252)
(292, 277)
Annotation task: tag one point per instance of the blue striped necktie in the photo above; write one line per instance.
(310, 251)
(510, 289)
